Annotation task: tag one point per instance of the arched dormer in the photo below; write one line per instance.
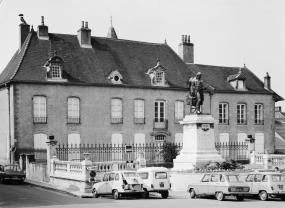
(54, 67)
(157, 75)
(115, 77)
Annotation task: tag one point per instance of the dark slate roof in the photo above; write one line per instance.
(92, 66)
(217, 76)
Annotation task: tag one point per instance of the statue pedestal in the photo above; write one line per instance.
(198, 142)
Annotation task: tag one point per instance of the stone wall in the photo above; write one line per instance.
(37, 172)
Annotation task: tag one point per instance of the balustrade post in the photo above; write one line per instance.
(85, 164)
(252, 158)
(52, 164)
(267, 161)
(51, 151)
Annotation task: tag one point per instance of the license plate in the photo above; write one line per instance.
(280, 187)
(239, 189)
(161, 185)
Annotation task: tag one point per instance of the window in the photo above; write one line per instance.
(179, 111)
(215, 178)
(116, 111)
(206, 178)
(241, 114)
(160, 175)
(73, 110)
(56, 72)
(222, 178)
(111, 176)
(40, 141)
(139, 112)
(160, 138)
(249, 178)
(257, 178)
(106, 177)
(178, 138)
(39, 107)
(159, 115)
(240, 84)
(117, 177)
(258, 114)
(143, 175)
(159, 78)
(265, 178)
(259, 143)
(224, 113)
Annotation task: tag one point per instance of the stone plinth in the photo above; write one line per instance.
(198, 142)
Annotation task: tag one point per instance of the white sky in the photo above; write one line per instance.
(224, 32)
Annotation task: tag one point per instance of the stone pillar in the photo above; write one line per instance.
(198, 142)
(141, 161)
(22, 161)
(252, 157)
(267, 161)
(87, 188)
(51, 151)
(52, 166)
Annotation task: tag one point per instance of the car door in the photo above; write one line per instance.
(203, 187)
(102, 189)
(109, 185)
(213, 184)
(256, 183)
(249, 181)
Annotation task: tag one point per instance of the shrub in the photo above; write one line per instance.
(169, 151)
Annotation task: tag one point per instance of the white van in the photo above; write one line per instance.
(156, 179)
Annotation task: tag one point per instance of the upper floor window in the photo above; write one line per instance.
(237, 81)
(160, 121)
(258, 114)
(73, 110)
(158, 78)
(179, 111)
(115, 77)
(56, 72)
(157, 75)
(39, 108)
(139, 111)
(241, 114)
(223, 113)
(116, 111)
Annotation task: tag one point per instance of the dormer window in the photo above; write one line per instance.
(54, 67)
(157, 75)
(115, 77)
(237, 81)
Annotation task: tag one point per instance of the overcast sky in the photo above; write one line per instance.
(224, 32)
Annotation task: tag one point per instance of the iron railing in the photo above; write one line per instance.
(139, 120)
(233, 150)
(41, 120)
(224, 121)
(258, 122)
(116, 120)
(73, 120)
(241, 122)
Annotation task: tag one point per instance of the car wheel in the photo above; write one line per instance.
(220, 196)
(263, 195)
(240, 198)
(192, 194)
(95, 193)
(139, 195)
(164, 194)
(145, 194)
(116, 195)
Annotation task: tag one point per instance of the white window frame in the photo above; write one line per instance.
(39, 106)
(223, 113)
(258, 114)
(241, 114)
(73, 104)
(56, 71)
(179, 111)
(139, 108)
(159, 114)
(157, 138)
(159, 78)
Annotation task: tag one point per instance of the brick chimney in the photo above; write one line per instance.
(84, 36)
(267, 84)
(186, 49)
(43, 31)
(24, 32)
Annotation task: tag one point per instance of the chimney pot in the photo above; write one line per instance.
(186, 49)
(43, 22)
(182, 38)
(84, 36)
(82, 25)
(188, 38)
(43, 31)
(185, 38)
(267, 82)
(86, 24)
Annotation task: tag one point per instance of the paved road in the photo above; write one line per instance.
(25, 195)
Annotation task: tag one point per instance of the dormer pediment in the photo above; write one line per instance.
(115, 77)
(157, 75)
(237, 81)
(54, 67)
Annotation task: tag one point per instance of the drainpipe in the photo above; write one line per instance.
(10, 142)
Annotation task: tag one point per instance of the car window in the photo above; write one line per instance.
(206, 178)
(257, 178)
(277, 178)
(161, 175)
(222, 178)
(265, 178)
(130, 174)
(234, 178)
(143, 175)
(106, 177)
(249, 178)
(214, 178)
(111, 176)
(117, 177)
(1, 168)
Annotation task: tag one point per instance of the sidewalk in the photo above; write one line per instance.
(76, 193)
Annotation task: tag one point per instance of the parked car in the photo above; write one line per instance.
(11, 172)
(219, 185)
(119, 184)
(266, 184)
(156, 179)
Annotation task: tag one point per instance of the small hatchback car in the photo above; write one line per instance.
(220, 185)
(266, 184)
(156, 179)
(11, 172)
(119, 184)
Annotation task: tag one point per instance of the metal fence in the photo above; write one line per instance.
(233, 150)
(40, 154)
(130, 152)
